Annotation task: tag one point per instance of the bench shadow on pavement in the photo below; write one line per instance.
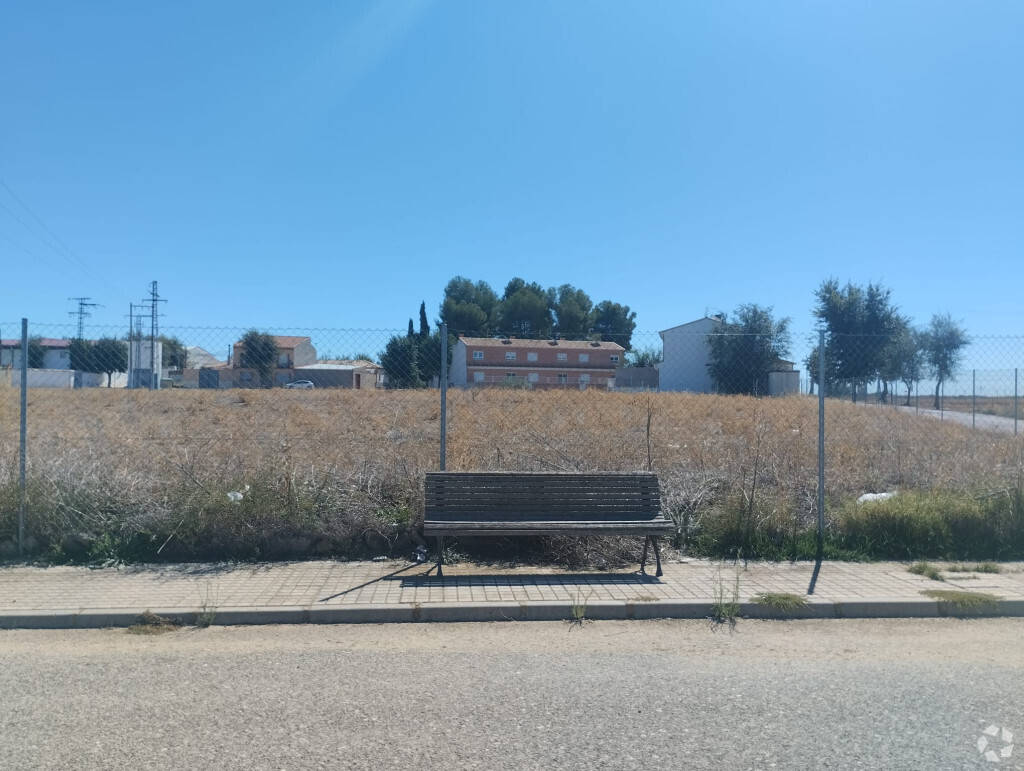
(527, 579)
(504, 579)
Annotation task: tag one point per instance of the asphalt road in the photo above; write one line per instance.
(605, 695)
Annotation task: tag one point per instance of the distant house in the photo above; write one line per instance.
(292, 352)
(197, 358)
(555, 363)
(342, 373)
(55, 353)
(686, 354)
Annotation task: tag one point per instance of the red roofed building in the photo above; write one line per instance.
(554, 363)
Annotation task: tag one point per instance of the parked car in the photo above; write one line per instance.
(300, 384)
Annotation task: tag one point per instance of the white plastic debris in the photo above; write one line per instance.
(868, 497)
(234, 496)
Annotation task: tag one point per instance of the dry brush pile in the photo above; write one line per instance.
(147, 475)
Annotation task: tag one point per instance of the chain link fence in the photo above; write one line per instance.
(202, 443)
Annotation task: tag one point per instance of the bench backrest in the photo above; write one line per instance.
(525, 497)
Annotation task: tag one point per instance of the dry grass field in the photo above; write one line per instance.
(137, 474)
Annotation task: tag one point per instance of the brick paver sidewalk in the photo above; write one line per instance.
(330, 591)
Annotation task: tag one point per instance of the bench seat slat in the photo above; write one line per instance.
(548, 528)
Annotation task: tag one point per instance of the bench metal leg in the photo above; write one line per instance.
(643, 559)
(657, 555)
(440, 553)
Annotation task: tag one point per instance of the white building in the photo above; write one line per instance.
(145, 358)
(685, 355)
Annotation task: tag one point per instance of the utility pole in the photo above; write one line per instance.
(154, 328)
(82, 313)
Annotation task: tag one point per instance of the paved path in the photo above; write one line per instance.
(353, 592)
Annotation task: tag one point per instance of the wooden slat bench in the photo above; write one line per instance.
(513, 503)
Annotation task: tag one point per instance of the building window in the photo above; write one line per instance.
(478, 377)
(531, 356)
(584, 378)
(478, 355)
(584, 357)
(533, 377)
(510, 375)
(510, 355)
(563, 357)
(614, 358)
(563, 378)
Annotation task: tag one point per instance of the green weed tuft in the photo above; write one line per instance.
(927, 570)
(784, 602)
(980, 567)
(964, 602)
(150, 623)
(725, 609)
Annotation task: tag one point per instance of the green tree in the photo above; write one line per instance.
(467, 307)
(400, 362)
(175, 354)
(944, 341)
(424, 324)
(614, 323)
(259, 352)
(899, 358)
(428, 356)
(573, 310)
(644, 357)
(109, 356)
(80, 356)
(859, 324)
(36, 353)
(833, 386)
(742, 353)
(524, 311)
(908, 350)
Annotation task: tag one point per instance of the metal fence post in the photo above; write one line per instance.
(974, 396)
(444, 392)
(1015, 401)
(821, 441)
(23, 440)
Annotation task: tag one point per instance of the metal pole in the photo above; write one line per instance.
(23, 450)
(821, 440)
(974, 395)
(1015, 401)
(444, 392)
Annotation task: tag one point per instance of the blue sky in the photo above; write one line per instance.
(330, 165)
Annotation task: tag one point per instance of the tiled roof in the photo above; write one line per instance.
(46, 342)
(497, 342)
(283, 341)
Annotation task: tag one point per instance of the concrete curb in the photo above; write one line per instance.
(816, 608)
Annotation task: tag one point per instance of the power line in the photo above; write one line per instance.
(30, 253)
(76, 262)
(32, 214)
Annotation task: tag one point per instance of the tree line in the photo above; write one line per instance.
(867, 340)
(107, 355)
(525, 309)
